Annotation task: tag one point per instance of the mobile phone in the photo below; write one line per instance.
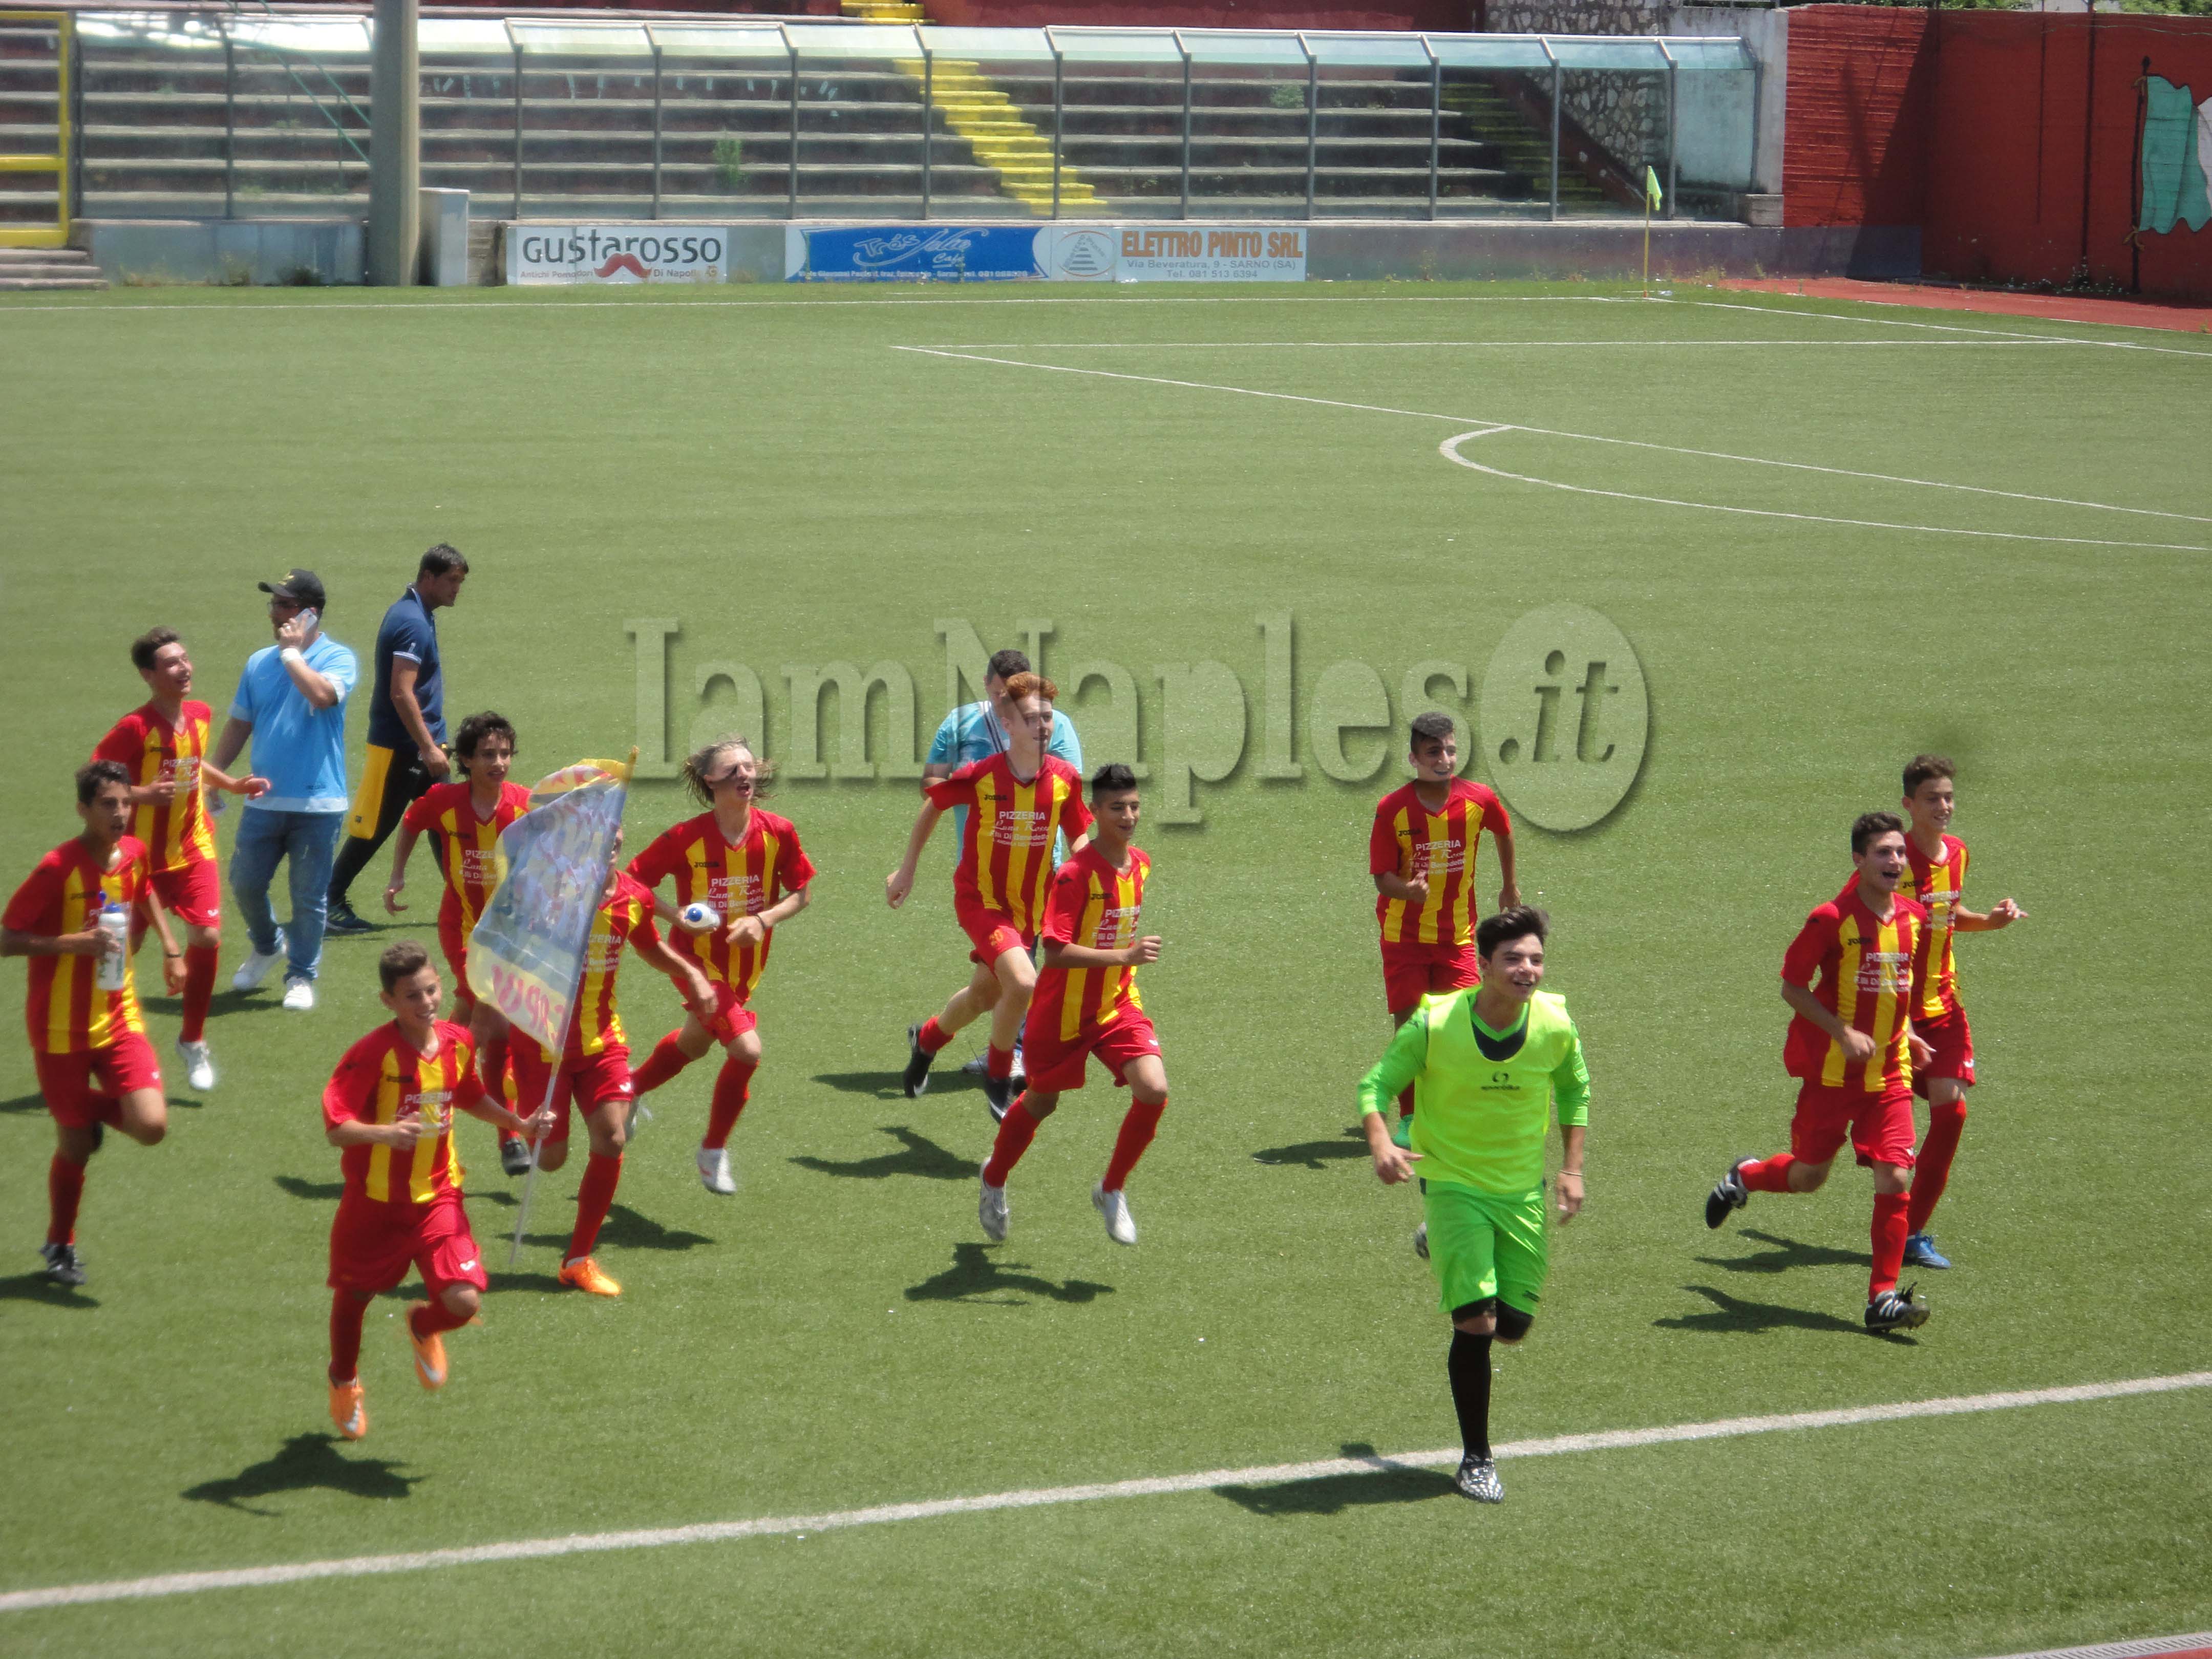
(309, 619)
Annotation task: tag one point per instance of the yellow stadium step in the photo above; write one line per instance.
(1002, 137)
(884, 11)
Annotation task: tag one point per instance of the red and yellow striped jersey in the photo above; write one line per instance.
(176, 831)
(1093, 904)
(625, 916)
(738, 879)
(383, 1078)
(467, 845)
(67, 1012)
(1408, 841)
(1005, 856)
(1863, 969)
(1938, 886)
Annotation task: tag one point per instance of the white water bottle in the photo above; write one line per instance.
(115, 922)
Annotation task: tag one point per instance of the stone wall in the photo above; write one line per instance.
(1625, 113)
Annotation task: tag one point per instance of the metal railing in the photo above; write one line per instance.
(201, 112)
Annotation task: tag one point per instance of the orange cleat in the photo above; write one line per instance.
(348, 1411)
(430, 1357)
(584, 1274)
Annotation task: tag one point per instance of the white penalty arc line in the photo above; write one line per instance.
(972, 356)
(536, 1549)
(1449, 450)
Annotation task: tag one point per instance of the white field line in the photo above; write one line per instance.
(1507, 345)
(271, 307)
(1449, 449)
(2149, 1648)
(534, 1549)
(1591, 437)
(1950, 328)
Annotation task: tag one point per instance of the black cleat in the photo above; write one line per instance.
(999, 1093)
(1729, 1192)
(1477, 1479)
(341, 920)
(63, 1265)
(915, 1082)
(514, 1155)
(1896, 1310)
(1421, 1241)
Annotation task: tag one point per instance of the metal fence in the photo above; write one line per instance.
(219, 113)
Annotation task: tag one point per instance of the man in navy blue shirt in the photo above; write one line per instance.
(406, 724)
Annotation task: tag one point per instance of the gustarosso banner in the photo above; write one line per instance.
(617, 253)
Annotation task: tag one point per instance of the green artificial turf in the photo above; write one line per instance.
(794, 492)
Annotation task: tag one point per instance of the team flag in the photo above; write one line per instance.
(2177, 158)
(526, 952)
(1653, 197)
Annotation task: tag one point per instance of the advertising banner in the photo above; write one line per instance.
(898, 253)
(567, 254)
(1061, 253)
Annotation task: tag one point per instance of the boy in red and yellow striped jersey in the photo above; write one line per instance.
(95, 1067)
(465, 819)
(593, 1070)
(389, 1107)
(163, 744)
(743, 866)
(1019, 802)
(1936, 880)
(1850, 978)
(1086, 1004)
(1421, 853)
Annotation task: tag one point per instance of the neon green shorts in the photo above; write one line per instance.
(1485, 1244)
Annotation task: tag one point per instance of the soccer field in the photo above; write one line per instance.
(1834, 536)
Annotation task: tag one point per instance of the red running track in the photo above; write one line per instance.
(2057, 308)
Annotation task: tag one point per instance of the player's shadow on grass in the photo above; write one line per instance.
(308, 1462)
(37, 1287)
(889, 1085)
(1312, 1154)
(1332, 1494)
(1787, 1253)
(922, 1156)
(1731, 1315)
(327, 1191)
(974, 1276)
(623, 1226)
(32, 1102)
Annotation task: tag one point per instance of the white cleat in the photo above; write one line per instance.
(714, 1173)
(991, 1209)
(1120, 1225)
(199, 1066)
(255, 968)
(299, 994)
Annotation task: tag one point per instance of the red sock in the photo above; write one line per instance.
(1016, 1131)
(1768, 1174)
(497, 1071)
(346, 1312)
(1138, 1127)
(434, 1318)
(1406, 1101)
(998, 1062)
(199, 990)
(731, 1090)
(64, 1191)
(1932, 1168)
(664, 1063)
(593, 1199)
(931, 1036)
(1888, 1243)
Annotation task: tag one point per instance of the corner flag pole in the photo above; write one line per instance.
(1651, 199)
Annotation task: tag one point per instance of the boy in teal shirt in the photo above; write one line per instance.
(1486, 1063)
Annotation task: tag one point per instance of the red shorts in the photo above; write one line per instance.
(455, 943)
(585, 1080)
(87, 1087)
(1410, 972)
(992, 932)
(372, 1245)
(1056, 1066)
(1880, 1125)
(192, 893)
(732, 1019)
(1953, 1040)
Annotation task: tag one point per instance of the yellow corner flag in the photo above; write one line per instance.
(1653, 197)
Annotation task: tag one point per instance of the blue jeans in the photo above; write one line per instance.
(306, 841)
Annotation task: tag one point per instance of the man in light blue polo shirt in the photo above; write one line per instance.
(291, 702)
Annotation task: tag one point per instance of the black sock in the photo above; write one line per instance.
(1468, 1366)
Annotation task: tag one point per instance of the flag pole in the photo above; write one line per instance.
(1647, 244)
(530, 1181)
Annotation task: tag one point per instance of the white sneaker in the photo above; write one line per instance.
(299, 994)
(199, 1066)
(255, 968)
(1120, 1225)
(991, 1209)
(715, 1172)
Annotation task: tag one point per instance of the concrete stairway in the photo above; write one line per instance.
(48, 267)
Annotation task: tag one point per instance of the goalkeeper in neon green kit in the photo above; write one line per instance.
(1486, 1064)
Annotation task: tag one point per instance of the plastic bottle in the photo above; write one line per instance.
(115, 922)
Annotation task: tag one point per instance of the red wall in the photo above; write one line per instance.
(2007, 138)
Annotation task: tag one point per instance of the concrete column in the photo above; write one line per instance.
(395, 155)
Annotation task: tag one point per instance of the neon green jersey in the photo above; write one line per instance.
(1482, 1099)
